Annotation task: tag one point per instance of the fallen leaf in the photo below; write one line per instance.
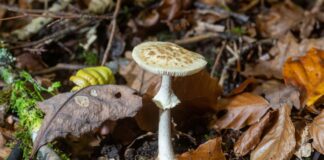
(278, 93)
(166, 11)
(83, 111)
(171, 9)
(242, 110)
(242, 86)
(307, 73)
(279, 20)
(137, 78)
(210, 150)
(279, 142)
(287, 46)
(316, 131)
(31, 62)
(251, 138)
(195, 97)
(147, 18)
(190, 89)
(304, 147)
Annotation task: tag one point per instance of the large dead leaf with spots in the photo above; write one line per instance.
(84, 111)
(307, 73)
(316, 130)
(242, 110)
(210, 150)
(279, 142)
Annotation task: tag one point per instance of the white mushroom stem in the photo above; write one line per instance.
(165, 143)
(165, 99)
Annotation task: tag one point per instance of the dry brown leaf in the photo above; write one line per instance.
(242, 110)
(199, 89)
(307, 73)
(287, 46)
(192, 94)
(167, 11)
(279, 142)
(171, 9)
(251, 138)
(84, 111)
(279, 20)
(147, 18)
(31, 62)
(304, 147)
(316, 131)
(210, 150)
(278, 93)
(137, 78)
(249, 81)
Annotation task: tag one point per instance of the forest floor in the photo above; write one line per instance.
(68, 79)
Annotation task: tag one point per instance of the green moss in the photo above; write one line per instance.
(25, 93)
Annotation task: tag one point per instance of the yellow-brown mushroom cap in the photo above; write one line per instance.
(167, 58)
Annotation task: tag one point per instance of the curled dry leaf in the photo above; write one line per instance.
(278, 93)
(244, 109)
(83, 111)
(307, 73)
(316, 131)
(210, 150)
(251, 138)
(287, 46)
(279, 20)
(304, 147)
(147, 18)
(279, 142)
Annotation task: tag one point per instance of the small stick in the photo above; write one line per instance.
(219, 54)
(49, 14)
(60, 66)
(197, 38)
(112, 33)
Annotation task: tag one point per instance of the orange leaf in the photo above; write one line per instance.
(279, 142)
(316, 132)
(210, 150)
(244, 109)
(307, 73)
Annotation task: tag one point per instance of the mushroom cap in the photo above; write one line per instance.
(167, 58)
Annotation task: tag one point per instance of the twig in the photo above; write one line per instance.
(228, 64)
(197, 38)
(49, 14)
(219, 54)
(250, 46)
(60, 66)
(206, 36)
(112, 33)
(50, 37)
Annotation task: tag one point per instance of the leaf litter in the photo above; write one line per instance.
(260, 96)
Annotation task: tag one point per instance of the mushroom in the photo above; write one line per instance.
(169, 60)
